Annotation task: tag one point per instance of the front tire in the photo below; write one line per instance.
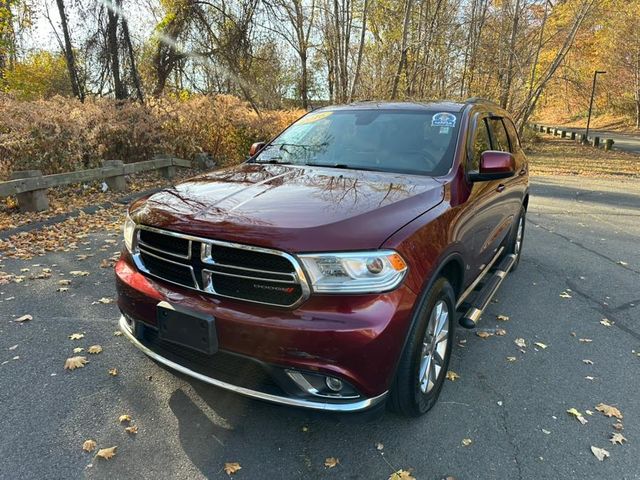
(425, 359)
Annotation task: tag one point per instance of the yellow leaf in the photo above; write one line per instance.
(617, 439)
(107, 453)
(105, 300)
(231, 468)
(78, 350)
(64, 282)
(565, 295)
(618, 426)
(466, 442)
(520, 342)
(76, 336)
(124, 418)
(502, 318)
(606, 322)
(94, 349)
(79, 273)
(23, 318)
(113, 372)
(600, 453)
(453, 376)
(609, 411)
(484, 334)
(117, 333)
(132, 429)
(89, 445)
(511, 359)
(401, 475)
(331, 462)
(501, 332)
(578, 415)
(540, 345)
(75, 362)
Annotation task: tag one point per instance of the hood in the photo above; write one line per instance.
(292, 208)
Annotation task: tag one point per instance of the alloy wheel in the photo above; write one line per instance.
(434, 347)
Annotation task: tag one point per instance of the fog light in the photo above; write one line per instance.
(334, 384)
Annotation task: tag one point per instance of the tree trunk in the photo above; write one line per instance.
(403, 49)
(506, 88)
(356, 77)
(114, 57)
(68, 54)
(132, 60)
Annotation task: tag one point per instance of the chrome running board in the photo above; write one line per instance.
(489, 289)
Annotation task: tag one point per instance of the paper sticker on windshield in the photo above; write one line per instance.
(443, 119)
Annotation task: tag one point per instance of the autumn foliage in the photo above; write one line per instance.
(62, 134)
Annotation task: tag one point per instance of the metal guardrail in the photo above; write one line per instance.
(595, 141)
(30, 186)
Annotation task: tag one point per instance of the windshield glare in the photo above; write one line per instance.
(403, 141)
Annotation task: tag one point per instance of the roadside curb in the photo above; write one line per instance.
(90, 209)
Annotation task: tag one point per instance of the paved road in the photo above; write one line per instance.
(623, 141)
(578, 232)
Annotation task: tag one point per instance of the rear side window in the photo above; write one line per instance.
(481, 143)
(500, 138)
(513, 134)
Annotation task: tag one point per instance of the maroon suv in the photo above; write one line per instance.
(328, 271)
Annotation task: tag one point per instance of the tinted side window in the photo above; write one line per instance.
(500, 138)
(481, 143)
(513, 134)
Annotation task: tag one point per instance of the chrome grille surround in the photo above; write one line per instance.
(208, 266)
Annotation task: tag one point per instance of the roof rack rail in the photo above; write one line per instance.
(479, 100)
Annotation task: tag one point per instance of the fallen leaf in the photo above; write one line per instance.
(379, 446)
(588, 377)
(75, 362)
(609, 411)
(624, 264)
(466, 442)
(79, 273)
(546, 432)
(76, 336)
(231, 468)
(618, 426)
(588, 412)
(484, 334)
(606, 322)
(501, 332)
(124, 418)
(13, 347)
(617, 439)
(78, 350)
(107, 453)
(401, 475)
(132, 429)
(331, 462)
(578, 415)
(89, 445)
(117, 333)
(586, 340)
(540, 345)
(600, 453)
(520, 342)
(453, 376)
(62, 289)
(23, 318)
(587, 361)
(105, 300)
(113, 372)
(502, 318)
(565, 295)
(64, 282)
(94, 349)
(511, 359)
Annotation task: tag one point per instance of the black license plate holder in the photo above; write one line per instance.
(187, 328)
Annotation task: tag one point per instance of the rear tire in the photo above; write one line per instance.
(517, 238)
(425, 359)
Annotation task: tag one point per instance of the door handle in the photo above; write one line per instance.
(500, 188)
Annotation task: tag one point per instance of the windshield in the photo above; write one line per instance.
(403, 141)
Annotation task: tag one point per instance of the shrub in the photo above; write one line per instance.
(62, 134)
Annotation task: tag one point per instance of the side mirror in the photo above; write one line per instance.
(256, 147)
(493, 166)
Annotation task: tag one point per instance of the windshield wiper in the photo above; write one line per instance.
(340, 165)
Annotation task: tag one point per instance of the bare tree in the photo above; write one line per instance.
(76, 86)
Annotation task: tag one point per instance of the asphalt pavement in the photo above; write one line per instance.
(580, 265)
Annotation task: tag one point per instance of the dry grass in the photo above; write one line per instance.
(554, 156)
(607, 121)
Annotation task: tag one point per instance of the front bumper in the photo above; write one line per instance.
(356, 338)
(354, 406)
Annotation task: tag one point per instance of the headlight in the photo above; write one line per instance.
(354, 272)
(129, 232)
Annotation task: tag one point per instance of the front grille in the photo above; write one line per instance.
(228, 270)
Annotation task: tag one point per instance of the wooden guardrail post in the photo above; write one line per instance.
(573, 136)
(117, 183)
(596, 142)
(549, 130)
(608, 144)
(34, 200)
(563, 134)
